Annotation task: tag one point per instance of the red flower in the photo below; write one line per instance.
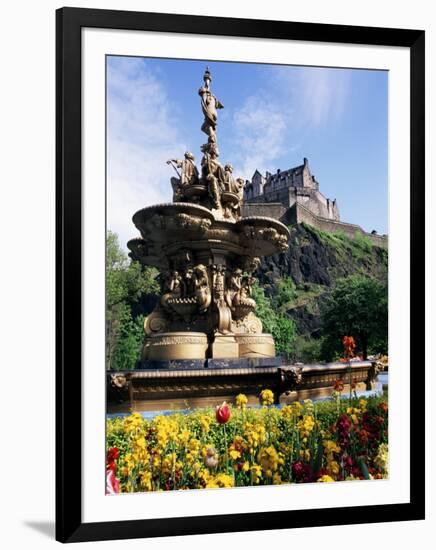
(363, 436)
(349, 346)
(112, 454)
(344, 423)
(301, 472)
(343, 426)
(356, 472)
(223, 413)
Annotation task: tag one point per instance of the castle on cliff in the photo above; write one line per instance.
(293, 196)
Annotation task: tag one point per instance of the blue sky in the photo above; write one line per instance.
(273, 117)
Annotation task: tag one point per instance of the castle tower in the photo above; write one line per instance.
(288, 188)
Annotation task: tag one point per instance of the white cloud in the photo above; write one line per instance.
(260, 130)
(142, 135)
(293, 103)
(319, 94)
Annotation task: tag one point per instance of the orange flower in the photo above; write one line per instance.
(349, 346)
(383, 407)
(339, 385)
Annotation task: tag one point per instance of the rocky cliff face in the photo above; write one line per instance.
(314, 262)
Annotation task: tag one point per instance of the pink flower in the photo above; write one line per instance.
(112, 483)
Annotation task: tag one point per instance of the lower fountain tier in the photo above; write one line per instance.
(157, 389)
(169, 346)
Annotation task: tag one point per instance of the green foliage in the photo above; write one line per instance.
(358, 307)
(363, 242)
(286, 294)
(129, 343)
(358, 246)
(126, 282)
(284, 334)
(275, 322)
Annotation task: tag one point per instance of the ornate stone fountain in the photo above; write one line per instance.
(204, 342)
(206, 254)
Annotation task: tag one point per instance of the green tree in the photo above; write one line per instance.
(274, 322)
(358, 307)
(126, 282)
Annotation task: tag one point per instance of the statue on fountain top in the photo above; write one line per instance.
(209, 105)
(217, 188)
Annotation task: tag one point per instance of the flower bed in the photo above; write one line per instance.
(343, 439)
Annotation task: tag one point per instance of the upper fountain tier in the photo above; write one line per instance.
(168, 228)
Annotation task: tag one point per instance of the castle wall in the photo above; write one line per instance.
(298, 214)
(266, 209)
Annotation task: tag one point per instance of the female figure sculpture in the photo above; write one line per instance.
(202, 289)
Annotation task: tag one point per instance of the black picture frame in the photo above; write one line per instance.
(69, 22)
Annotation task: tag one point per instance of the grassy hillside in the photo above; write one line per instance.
(309, 270)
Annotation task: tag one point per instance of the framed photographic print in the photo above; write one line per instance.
(240, 274)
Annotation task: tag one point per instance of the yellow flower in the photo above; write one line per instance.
(291, 412)
(305, 454)
(184, 437)
(132, 422)
(241, 401)
(255, 435)
(382, 458)
(306, 425)
(145, 481)
(205, 422)
(267, 397)
(325, 479)
(234, 454)
(277, 480)
(268, 459)
(194, 445)
(220, 480)
(139, 442)
(256, 473)
(331, 447)
(333, 467)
